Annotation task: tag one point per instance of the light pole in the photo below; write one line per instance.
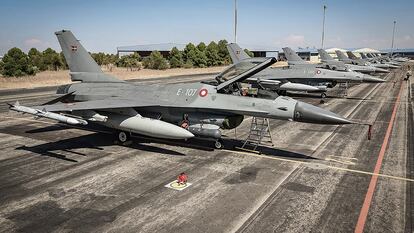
(323, 25)
(393, 35)
(235, 21)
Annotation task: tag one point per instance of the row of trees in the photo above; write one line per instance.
(17, 63)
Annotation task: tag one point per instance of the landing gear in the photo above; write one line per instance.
(218, 144)
(323, 96)
(124, 136)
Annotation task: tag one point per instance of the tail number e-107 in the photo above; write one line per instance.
(186, 92)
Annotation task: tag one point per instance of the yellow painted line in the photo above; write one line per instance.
(339, 161)
(324, 165)
(340, 157)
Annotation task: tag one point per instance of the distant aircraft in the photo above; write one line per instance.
(358, 61)
(333, 64)
(299, 72)
(171, 111)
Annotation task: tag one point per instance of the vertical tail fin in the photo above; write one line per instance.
(341, 56)
(292, 57)
(363, 56)
(78, 59)
(237, 54)
(351, 55)
(324, 55)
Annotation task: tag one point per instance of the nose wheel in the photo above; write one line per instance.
(323, 96)
(124, 136)
(218, 144)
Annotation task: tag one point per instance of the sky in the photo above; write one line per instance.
(106, 24)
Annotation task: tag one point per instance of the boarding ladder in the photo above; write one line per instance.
(259, 134)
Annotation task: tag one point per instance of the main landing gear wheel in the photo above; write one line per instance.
(123, 136)
(218, 144)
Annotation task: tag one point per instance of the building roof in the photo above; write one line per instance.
(366, 50)
(407, 50)
(332, 50)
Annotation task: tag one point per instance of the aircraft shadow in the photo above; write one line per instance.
(98, 140)
(92, 141)
(270, 151)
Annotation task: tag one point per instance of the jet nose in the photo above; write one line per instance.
(371, 79)
(311, 114)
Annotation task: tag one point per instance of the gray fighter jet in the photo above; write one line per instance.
(358, 61)
(384, 60)
(301, 75)
(353, 76)
(333, 64)
(171, 111)
(377, 60)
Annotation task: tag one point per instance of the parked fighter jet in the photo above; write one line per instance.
(294, 59)
(386, 60)
(333, 64)
(172, 111)
(358, 61)
(375, 60)
(299, 72)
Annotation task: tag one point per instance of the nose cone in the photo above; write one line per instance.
(371, 79)
(179, 133)
(311, 114)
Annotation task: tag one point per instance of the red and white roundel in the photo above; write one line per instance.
(203, 92)
(318, 71)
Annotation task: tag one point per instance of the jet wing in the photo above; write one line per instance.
(255, 67)
(126, 103)
(95, 105)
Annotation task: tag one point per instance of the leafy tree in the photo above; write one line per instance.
(249, 52)
(156, 61)
(36, 58)
(223, 53)
(52, 60)
(176, 58)
(212, 54)
(130, 61)
(194, 57)
(1, 66)
(189, 54)
(200, 59)
(98, 57)
(17, 63)
(201, 47)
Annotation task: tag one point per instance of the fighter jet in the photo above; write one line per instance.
(333, 64)
(301, 75)
(358, 61)
(170, 111)
(377, 60)
(387, 60)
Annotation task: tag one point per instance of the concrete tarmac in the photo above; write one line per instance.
(315, 178)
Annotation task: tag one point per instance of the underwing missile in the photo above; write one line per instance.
(50, 115)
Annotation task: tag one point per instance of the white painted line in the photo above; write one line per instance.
(176, 186)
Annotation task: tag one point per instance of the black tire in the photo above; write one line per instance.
(123, 136)
(218, 144)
